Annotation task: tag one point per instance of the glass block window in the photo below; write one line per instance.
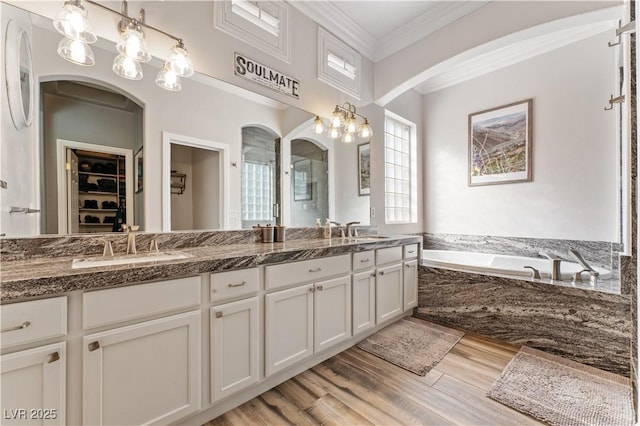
(257, 191)
(400, 170)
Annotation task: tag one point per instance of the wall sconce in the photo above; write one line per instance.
(343, 123)
(74, 24)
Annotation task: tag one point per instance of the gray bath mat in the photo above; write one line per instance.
(563, 392)
(412, 344)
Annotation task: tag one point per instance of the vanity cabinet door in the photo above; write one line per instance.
(144, 373)
(363, 301)
(288, 327)
(410, 281)
(33, 386)
(234, 347)
(332, 309)
(389, 286)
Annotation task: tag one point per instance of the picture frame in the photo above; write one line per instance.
(302, 188)
(500, 144)
(138, 162)
(364, 169)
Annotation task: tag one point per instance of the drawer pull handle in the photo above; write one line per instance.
(53, 357)
(365, 260)
(238, 284)
(219, 314)
(411, 251)
(409, 266)
(94, 346)
(315, 270)
(16, 328)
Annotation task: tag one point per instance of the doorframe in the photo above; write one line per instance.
(61, 148)
(223, 152)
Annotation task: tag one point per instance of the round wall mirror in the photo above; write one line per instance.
(19, 75)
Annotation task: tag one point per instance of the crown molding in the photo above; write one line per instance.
(437, 17)
(331, 18)
(510, 55)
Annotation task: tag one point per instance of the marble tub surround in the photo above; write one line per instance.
(589, 327)
(596, 253)
(39, 276)
(55, 246)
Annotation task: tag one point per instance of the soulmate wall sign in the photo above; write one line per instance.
(262, 74)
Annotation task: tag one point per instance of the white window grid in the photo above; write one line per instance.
(252, 12)
(398, 173)
(257, 191)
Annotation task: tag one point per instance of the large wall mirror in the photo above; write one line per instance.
(116, 127)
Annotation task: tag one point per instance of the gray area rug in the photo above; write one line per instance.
(559, 391)
(412, 344)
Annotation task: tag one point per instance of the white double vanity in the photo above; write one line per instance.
(184, 350)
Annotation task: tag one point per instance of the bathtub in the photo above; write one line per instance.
(501, 264)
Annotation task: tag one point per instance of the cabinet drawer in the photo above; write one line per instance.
(104, 307)
(411, 251)
(27, 322)
(388, 255)
(364, 260)
(278, 276)
(227, 285)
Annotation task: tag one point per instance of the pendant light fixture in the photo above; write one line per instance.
(344, 123)
(73, 22)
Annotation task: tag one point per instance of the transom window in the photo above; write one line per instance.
(252, 12)
(400, 170)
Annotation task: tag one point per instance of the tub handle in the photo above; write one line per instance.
(535, 274)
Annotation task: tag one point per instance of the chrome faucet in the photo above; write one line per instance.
(340, 227)
(555, 265)
(350, 232)
(130, 232)
(586, 267)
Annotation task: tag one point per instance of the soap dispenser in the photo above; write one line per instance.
(327, 229)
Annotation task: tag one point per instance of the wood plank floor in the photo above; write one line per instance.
(357, 388)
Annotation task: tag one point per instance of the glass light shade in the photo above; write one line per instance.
(132, 45)
(334, 132)
(365, 130)
(179, 61)
(348, 137)
(318, 125)
(336, 118)
(76, 51)
(167, 79)
(72, 22)
(126, 67)
(351, 126)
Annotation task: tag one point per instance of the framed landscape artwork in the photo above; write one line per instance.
(500, 144)
(364, 169)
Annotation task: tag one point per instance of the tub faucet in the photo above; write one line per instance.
(555, 265)
(578, 257)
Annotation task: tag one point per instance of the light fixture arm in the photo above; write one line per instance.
(349, 108)
(122, 25)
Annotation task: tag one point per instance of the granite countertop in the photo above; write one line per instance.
(25, 279)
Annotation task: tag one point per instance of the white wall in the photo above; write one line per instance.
(206, 184)
(574, 187)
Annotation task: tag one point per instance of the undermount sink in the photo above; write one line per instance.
(94, 262)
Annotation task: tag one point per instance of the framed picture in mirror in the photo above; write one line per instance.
(138, 162)
(364, 169)
(302, 180)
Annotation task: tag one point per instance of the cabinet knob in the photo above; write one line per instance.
(319, 287)
(409, 266)
(219, 314)
(373, 274)
(53, 357)
(312, 289)
(94, 346)
(381, 273)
